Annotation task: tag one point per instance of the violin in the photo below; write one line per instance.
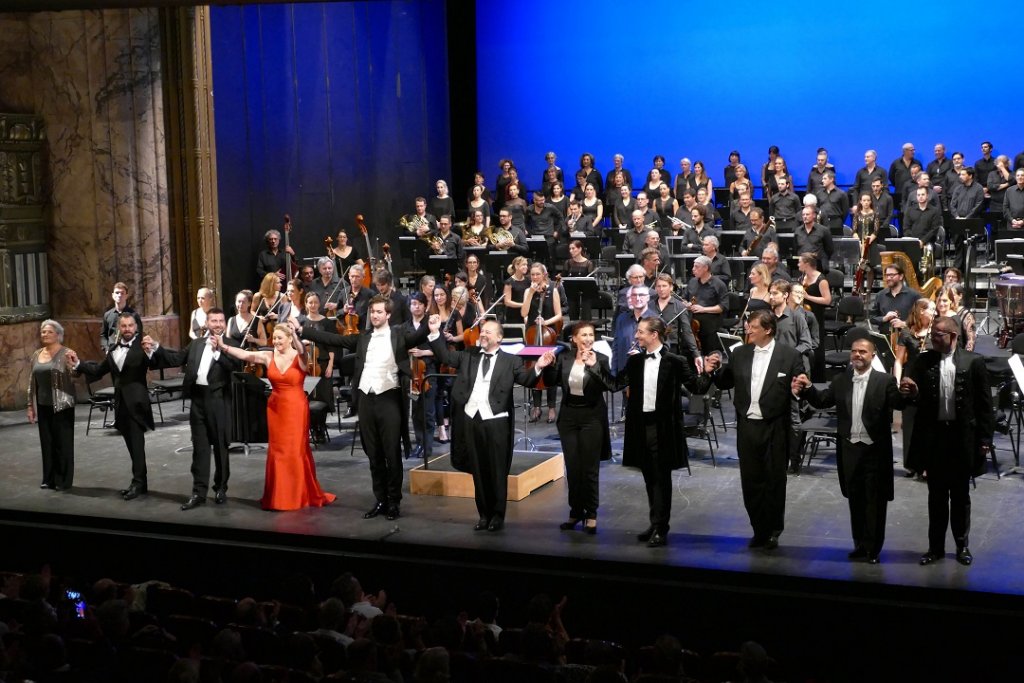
(471, 335)
(350, 321)
(447, 369)
(313, 361)
(419, 384)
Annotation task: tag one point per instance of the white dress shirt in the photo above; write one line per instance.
(652, 366)
(208, 357)
(758, 369)
(858, 433)
(576, 377)
(380, 371)
(947, 387)
(478, 399)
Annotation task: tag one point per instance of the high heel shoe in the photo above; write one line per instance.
(534, 414)
(551, 415)
(442, 434)
(570, 525)
(590, 527)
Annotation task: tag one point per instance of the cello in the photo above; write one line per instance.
(539, 334)
(368, 267)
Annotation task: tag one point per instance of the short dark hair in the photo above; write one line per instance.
(380, 300)
(656, 325)
(764, 318)
(216, 309)
(418, 296)
(383, 277)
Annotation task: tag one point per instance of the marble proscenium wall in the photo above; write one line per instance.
(95, 79)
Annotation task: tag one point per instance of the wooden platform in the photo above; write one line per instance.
(529, 472)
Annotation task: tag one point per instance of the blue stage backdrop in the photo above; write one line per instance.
(700, 79)
(325, 111)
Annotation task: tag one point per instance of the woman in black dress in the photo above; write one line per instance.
(684, 179)
(442, 204)
(477, 280)
(243, 326)
(578, 265)
(500, 185)
(558, 199)
(591, 174)
(515, 289)
(345, 255)
(51, 404)
(324, 356)
(666, 208)
(593, 211)
(516, 206)
(652, 186)
(584, 376)
(819, 297)
(477, 202)
(542, 306)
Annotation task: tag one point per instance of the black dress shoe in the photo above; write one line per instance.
(873, 559)
(221, 497)
(930, 557)
(124, 491)
(134, 492)
(857, 553)
(193, 502)
(590, 527)
(964, 557)
(417, 453)
(794, 468)
(481, 524)
(374, 511)
(645, 536)
(772, 543)
(756, 542)
(497, 524)
(393, 513)
(44, 485)
(570, 525)
(657, 540)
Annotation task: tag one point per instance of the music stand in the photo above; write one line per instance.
(786, 241)
(616, 237)
(439, 265)
(676, 244)
(497, 264)
(910, 246)
(728, 342)
(883, 350)
(538, 248)
(529, 353)
(729, 241)
(738, 269)
(243, 385)
(682, 264)
(592, 247)
(581, 292)
(1006, 247)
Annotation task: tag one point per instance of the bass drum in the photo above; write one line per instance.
(1010, 296)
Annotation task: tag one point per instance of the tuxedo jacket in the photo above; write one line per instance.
(596, 381)
(974, 423)
(131, 393)
(881, 397)
(776, 391)
(219, 375)
(507, 372)
(674, 372)
(403, 338)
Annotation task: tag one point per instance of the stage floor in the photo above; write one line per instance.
(709, 525)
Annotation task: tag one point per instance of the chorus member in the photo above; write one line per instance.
(542, 308)
(381, 381)
(655, 439)
(998, 182)
(784, 206)
(618, 169)
(638, 298)
(761, 373)
(666, 305)
(643, 205)
(477, 203)
(684, 179)
(739, 216)
(813, 237)
(968, 196)
(819, 296)
(986, 164)
(424, 416)
(613, 190)
(665, 206)
(730, 170)
(633, 240)
(864, 400)
(768, 168)
(952, 435)
(109, 325)
(551, 167)
(343, 254)
(922, 221)
(720, 267)
(770, 258)
(707, 201)
(207, 385)
(515, 204)
(578, 190)
(502, 182)
(442, 204)
(706, 295)
(483, 386)
(779, 173)
(509, 237)
(328, 287)
(543, 220)
(868, 174)
(273, 259)
(244, 327)
(821, 166)
(882, 202)
(51, 405)
(740, 184)
(593, 211)
(578, 265)
(558, 200)
(758, 235)
(622, 209)
(516, 285)
(921, 180)
(937, 171)
(701, 181)
(127, 364)
(1013, 202)
(833, 203)
(652, 186)
(477, 232)
(290, 482)
(890, 307)
(519, 191)
(591, 174)
(899, 169)
(583, 375)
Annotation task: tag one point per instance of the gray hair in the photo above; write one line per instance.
(57, 327)
(810, 200)
(712, 240)
(271, 233)
(324, 259)
(618, 157)
(770, 249)
(635, 269)
(652, 232)
(703, 260)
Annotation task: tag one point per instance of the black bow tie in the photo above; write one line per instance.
(125, 345)
(651, 355)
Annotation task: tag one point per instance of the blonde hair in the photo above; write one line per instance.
(270, 285)
(516, 262)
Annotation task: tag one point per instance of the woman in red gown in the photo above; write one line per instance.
(291, 474)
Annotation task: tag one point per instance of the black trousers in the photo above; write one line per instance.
(863, 471)
(708, 336)
(657, 471)
(57, 442)
(488, 445)
(581, 433)
(210, 421)
(949, 492)
(424, 419)
(763, 451)
(134, 436)
(380, 422)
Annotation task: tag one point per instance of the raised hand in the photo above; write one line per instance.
(434, 323)
(546, 359)
(799, 383)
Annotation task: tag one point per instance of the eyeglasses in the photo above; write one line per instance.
(941, 333)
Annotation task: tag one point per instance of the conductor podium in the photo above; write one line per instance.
(530, 471)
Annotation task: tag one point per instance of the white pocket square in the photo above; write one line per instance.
(781, 374)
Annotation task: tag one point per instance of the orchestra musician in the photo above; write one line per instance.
(197, 320)
(243, 327)
(109, 326)
(273, 259)
(758, 236)
(542, 308)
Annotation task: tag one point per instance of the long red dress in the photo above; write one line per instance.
(291, 473)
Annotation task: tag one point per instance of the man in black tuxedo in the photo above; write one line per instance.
(655, 439)
(952, 434)
(380, 382)
(483, 385)
(127, 362)
(761, 373)
(207, 384)
(864, 401)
